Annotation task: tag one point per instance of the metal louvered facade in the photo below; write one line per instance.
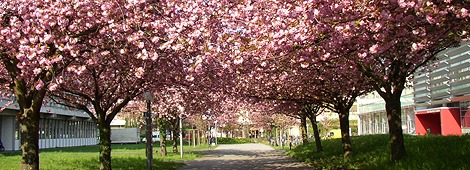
(448, 78)
(446, 84)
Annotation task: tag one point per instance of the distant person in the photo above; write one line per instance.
(211, 141)
(2, 148)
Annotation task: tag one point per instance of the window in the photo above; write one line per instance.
(465, 114)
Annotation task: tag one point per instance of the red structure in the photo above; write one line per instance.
(466, 119)
(439, 121)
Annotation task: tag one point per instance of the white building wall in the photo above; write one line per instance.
(55, 130)
(373, 118)
(7, 135)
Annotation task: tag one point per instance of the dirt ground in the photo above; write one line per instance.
(244, 157)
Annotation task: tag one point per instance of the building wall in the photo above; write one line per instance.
(444, 80)
(450, 123)
(438, 121)
(465, 114)
(53, 132)
(58, 127)
(7, 136)
(446, 83)
(372, 117)
(428, 123)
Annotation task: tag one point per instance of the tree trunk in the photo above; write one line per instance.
(393, 108)
(29, 130)
(276, 138)
(303, 128)
(316, 132)
(163, 143)
(162, 130)
(193, 137)
(345, 138)
(175, 140)
(28, 118)
(105, 145)
(281, 138)
(149, 137)
(198, 138)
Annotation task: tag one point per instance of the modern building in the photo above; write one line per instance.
(372, 117)
(58, 127)
(442, 94)
(437, 103)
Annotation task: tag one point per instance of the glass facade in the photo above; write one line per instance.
(373, 118)
(63, 132)
(58, 127)
(445, 83)
(465, 114)
(444, 80)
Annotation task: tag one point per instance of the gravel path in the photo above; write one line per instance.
(244, 157)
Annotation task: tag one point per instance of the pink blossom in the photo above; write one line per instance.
(362, 55)
(263, 64)
(53, 86)
(374, 49)
(189, 78)
(139, 72)
(238, 60)
(464, 12)
(39, 85)
(430, 19)
(141, 45)
(37, 71)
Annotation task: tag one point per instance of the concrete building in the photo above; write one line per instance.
(372, 117)
(437, 103)
(442, 94)
(58, 127)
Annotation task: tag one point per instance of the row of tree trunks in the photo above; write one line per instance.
(311, 111)
(303, 128)
(161, 123)
(175, 129)
(345, 137)
(316, 133)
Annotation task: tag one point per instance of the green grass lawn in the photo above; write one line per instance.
(129, 156)
(234, 140)
(373, 152)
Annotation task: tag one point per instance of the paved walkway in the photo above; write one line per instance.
(244, 157)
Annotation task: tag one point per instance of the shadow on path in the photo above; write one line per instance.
(244, 157)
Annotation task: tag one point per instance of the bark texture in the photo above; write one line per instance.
(393, 107)
(105, 146)
(29, 130)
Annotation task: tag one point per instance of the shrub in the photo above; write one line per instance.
(233, 140)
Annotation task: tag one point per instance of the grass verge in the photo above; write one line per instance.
(373, 152)
(128, 156)
(234, 140)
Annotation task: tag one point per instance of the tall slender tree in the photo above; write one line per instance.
(312, 110)
(39, 40)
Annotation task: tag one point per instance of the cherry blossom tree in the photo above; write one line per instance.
(39, 40)
(170, 108)
(148, 45)
(312, 110)
(389, 40)
(386, 41)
